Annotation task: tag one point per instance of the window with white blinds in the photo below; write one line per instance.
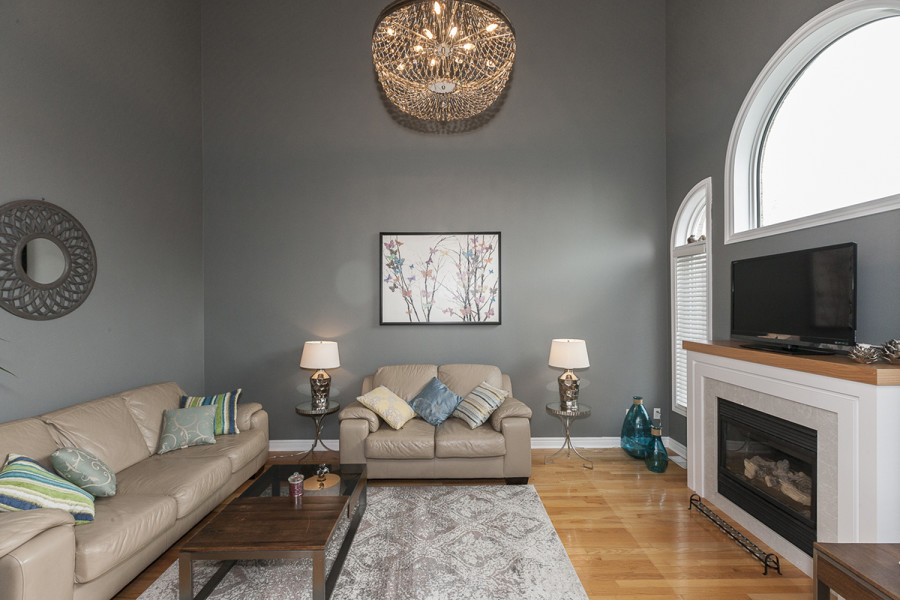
(690, 314)
(690, 285)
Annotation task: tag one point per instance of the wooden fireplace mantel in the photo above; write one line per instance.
(839, 367)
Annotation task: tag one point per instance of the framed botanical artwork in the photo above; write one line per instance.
(440, 278)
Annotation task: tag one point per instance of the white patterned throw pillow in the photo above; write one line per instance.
(389, 406)
(476, 408)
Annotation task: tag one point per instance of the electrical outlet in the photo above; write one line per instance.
(656, 413)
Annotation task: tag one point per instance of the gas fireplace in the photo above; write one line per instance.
(767, 467)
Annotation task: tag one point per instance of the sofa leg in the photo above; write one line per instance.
(516, 480)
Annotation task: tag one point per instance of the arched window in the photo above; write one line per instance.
(817, 139)
(690, 264)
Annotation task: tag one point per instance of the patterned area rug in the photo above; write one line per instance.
(421, 543)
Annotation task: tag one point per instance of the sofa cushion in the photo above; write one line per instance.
(239, 448)
(226, 409)
(436, 402)
(146, 404)
(462, 378)
(26, 485)
(388, 405)
(190, 481)
(415, 440)
(103, 427)
(477, 407)
(455, 439)
(186, 427)
(123, 525)
(404, 380)
(84, 470)
(29, 437)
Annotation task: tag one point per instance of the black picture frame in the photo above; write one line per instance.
(440, 278)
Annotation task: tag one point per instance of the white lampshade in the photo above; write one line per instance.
(320, 355)
(569, 354)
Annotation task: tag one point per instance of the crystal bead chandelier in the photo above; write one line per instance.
(443, 60)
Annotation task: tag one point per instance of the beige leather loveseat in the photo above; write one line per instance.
(45, 556)
(499, 448)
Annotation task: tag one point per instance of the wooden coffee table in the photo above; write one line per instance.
(254, 526)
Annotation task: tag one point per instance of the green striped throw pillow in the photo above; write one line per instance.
(476, 408)
(25, 484)
(226, 409)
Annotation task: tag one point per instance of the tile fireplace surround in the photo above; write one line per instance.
(854, 408)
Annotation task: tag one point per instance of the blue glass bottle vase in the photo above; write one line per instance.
(657, 459)
(636, 430)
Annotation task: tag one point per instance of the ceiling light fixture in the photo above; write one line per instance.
(443, 61)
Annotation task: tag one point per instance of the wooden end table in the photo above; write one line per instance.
(253, 527)
(857, 571)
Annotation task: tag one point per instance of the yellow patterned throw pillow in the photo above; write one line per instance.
(389, 406)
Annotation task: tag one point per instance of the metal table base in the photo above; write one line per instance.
(306, 409)
(567, 416)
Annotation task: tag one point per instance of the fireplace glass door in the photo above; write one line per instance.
(767, 466)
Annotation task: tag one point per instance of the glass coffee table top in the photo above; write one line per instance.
(336, 480)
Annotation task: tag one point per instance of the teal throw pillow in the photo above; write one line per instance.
(435, 402)
(184, 427)
(84, 470)
(226, 409)
(25, 485)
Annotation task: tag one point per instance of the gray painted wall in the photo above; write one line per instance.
(100, 114)
(715, 50)
(303, 167)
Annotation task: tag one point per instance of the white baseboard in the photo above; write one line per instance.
(538, 443)
(555, 443)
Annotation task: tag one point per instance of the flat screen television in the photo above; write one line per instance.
(801, 302)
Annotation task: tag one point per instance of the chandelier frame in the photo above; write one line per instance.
(452, 73)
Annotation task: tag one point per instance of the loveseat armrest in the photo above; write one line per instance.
(357, 410)
(510, 408)
(246, 413)
(353, 441)
(37, 554)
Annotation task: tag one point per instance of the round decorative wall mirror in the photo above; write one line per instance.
(47, 260)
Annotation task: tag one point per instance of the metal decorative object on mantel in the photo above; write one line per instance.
(47, 260)
(890, 351)
(866, 354)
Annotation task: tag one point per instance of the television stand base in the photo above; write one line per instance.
(789, 349)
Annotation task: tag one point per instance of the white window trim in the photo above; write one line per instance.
(679, 248)
(742, 159)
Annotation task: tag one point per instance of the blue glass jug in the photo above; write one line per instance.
(636, 430)
(657, 459)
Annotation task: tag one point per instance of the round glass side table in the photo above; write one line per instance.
(306, 409)
(567, 416)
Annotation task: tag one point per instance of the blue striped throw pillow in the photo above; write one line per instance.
(25, 484)
(226, 409)
(476, 408)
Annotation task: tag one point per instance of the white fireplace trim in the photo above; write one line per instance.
(868, 471)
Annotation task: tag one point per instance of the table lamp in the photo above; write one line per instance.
(320, 356)
(568, 354)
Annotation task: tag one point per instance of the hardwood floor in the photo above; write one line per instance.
(628, 532)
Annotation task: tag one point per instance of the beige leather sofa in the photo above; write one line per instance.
(499, 448)
(45, 556)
